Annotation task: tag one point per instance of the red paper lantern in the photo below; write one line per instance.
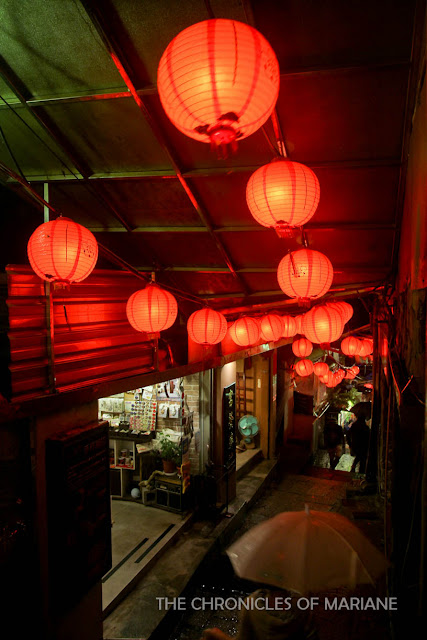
(321, 369)
(218, 81)
(289, 326)
(271, 327)
(304, 367)
(332, 380)
(369, 386)
(366, 348)
(305, 274)
(151, 309)
(322, 324)
(245, 331)
(207, 326)
(283, 194)
(355, 369)
(62, 251)
(351, 346)
(350, 375)
(340, 374)
(302, 347)
(298, 324)
(324, 378)
(345, 309)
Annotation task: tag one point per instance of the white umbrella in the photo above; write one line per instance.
(307, 551)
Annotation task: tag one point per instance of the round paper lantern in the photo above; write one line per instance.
(324, 378)
(283, 194)
(305, 274)
(218, 81)
(207, 326)
(271, 327)
(289, 327)
(321, 369)
(322, 324)
(345, 309)
(298, 323)
(245, 331)
(151, 309)
(332, 380)
(351, 346)
(340, 374)
(302, 347)
(350, 375)
(304, 367)
(366, 348)
(355, 369)
(369, 386)
(62, 251)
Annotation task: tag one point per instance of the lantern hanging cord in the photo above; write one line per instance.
(11, 152)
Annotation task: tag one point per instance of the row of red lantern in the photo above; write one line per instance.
(305, 367)
(352, 346)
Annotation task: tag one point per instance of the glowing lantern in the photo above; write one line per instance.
(324, 378)
(245, 331)
(289, 326)
(345, 309)
(369, 386)
(304, 367)
(207, 326)
(350, 375)
(322, 325)
(321, 369)
(283, 194)
(366, 348)
(340, 374)
(302, 347)
(298, 323)
(305, 274)
(351, 346)
(332, 380)
(355, 369)
(271, 327)
(62, 251)
(151, 309)
(218, 81)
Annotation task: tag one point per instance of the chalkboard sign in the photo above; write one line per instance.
(229, 425)
(303, 403)
(79, 512)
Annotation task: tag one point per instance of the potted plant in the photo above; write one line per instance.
(169, 451)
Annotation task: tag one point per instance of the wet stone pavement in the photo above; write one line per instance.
(291, 493)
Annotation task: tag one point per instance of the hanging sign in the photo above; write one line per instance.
(229, 425)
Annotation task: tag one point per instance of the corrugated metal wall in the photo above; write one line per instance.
(92, 338)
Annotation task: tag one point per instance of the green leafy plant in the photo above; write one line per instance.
(166, 448)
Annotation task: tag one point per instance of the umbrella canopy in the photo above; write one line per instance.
(307, 551)
(362, 409)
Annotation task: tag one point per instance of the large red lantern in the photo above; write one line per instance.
(305, 274)
(366, 348)
(289, 326)
(351, 346)
(322, 325)
(218, 81)
(62, 251)
(271, 327)
(302, 347)
(151, 310)
(304, 367)
(207, 326)
(332, 380)
(345, 309)
(321, 369)
(245, 331)
(283, 194)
